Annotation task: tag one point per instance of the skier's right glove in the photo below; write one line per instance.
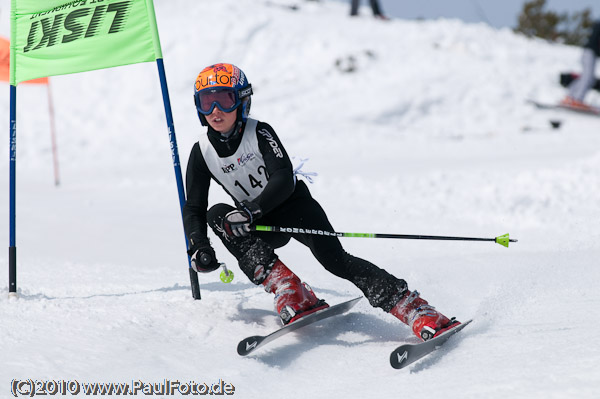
(203, 258)
(237, 222)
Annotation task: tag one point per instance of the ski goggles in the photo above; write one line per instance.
(225, 99)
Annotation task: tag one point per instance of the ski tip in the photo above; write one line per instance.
(407, 354)
(248, 345)
(398, 359)
(537, 104)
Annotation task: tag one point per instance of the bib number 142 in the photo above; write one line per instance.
(254, 182)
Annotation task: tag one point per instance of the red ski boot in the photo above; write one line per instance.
(293, 299)
(425, 321)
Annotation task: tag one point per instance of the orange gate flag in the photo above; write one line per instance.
(5, 64)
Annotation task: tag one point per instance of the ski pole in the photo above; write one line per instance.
(502, 240)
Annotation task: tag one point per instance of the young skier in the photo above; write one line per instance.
(580, 86)
(247, 159)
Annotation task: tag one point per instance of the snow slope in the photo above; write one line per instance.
(430, 134)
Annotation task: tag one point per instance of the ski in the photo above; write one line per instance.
(407, 354)
(292, 7)
(594, 111)
(250, 344)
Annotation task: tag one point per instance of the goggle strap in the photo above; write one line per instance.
(245, 92)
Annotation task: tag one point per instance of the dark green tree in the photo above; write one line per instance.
(534, 20)
(576, 28)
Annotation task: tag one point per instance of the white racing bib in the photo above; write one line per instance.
(243, 174)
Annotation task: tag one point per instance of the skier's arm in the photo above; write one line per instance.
(203, 258)
(197, 183)
(279, 168)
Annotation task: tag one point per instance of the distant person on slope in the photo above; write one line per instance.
(580, 86)
(374, 5)
(247, 159)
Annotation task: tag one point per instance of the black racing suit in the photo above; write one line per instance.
(284, 204)
(593, 41)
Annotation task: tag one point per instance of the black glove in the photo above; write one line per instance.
(203, 255)
(237, 223)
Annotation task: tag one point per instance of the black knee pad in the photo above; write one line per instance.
(257, 260)
(215, 216)
(385, 294)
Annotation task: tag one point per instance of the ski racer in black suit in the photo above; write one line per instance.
(247, 159)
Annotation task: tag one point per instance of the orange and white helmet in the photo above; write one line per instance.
(224, 86)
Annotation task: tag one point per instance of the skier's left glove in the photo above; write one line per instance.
(202, 255)
(237, 223)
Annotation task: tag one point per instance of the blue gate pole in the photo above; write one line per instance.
(175, 155)
(12, 249)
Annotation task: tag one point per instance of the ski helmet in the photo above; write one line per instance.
(224, 86)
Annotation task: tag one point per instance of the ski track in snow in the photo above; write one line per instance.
(431, 134)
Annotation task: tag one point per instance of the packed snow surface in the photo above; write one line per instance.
(414, 127)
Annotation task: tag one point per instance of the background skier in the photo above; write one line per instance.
(580, 86)
(377, 13)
